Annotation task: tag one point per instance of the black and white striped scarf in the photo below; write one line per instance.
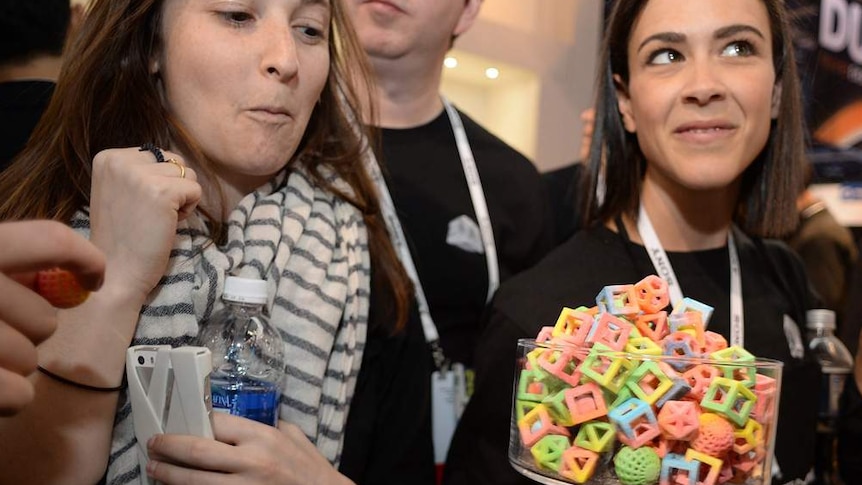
(312, 249)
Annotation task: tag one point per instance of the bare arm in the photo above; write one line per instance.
(64, 436)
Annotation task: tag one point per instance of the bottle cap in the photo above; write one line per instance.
(244, 290)
(820, 318)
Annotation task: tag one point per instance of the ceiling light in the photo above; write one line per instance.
(450, 62)
(492, 73)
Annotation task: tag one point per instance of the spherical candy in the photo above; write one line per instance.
(640, 466)
(60, 288)
(714, 436)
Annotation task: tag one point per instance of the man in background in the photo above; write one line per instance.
(827, 248)
(472, 209)
(32, 36)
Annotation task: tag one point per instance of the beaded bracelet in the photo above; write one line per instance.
(86, 387)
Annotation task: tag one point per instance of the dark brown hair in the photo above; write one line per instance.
(766, 205)
(106, 97)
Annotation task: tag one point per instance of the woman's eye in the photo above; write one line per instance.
(664, 56)
(739, 48)
(311, 32)
(237, 18)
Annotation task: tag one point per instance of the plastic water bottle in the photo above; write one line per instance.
(836, 363)
(247, 353)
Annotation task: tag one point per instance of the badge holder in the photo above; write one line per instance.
(169, 389)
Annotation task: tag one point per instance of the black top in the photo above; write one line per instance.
(773, 285)
(388, 432)
(387, 438)
(21, 106)
(563, 185)
(429, 189)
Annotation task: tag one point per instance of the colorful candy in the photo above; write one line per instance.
(60, 288)
(668, 400)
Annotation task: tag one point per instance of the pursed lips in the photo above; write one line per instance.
(386, 4)
(270, 114)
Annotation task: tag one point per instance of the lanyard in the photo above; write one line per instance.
(396, 232)
(665, 270)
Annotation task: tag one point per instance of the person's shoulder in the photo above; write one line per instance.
(569, 274)
(779, 251)
(482, 140)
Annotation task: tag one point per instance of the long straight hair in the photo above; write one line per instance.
(106, 97)
(766, 204)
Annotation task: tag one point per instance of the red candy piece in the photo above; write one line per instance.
(60, 288)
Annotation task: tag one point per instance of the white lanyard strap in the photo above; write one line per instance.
(663, 267)
(399, 241)
(477, 195)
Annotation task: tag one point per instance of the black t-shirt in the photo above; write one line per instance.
(429, 189)
(388, 432)
(21, 106)
(773, 285)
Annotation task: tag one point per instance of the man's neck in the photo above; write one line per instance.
(408, 94)
(38, 68)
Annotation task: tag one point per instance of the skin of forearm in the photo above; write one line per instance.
(64, 435)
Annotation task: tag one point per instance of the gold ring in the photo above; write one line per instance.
(180, 165)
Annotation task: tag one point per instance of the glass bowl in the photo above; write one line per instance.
(590, 414)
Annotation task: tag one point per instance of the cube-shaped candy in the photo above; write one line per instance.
(548, 451)
(607, 368)
(729, 398)
(573, 326)
(537, 424)
(739, 364)
(675, 469)
(643, 346)
(585, 402)
(578, 464)
(689, 322)
(635, 421)
(748, 438)
(648, 382)
(611, 331)
(595, 436)
(709, 468)
(618, 300)
(689, 305)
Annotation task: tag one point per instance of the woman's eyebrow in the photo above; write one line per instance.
(735, 29)
(669, 37)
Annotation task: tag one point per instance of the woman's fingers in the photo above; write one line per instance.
(193, 452)
(16, 391)
(29, 246)
(25, 311)
(17, 352)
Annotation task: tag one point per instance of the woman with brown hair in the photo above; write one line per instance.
(696, 158)
(251, 105)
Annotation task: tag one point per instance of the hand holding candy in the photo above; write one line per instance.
(25, 317)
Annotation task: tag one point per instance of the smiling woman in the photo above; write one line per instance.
(697, 156)
(251, 100)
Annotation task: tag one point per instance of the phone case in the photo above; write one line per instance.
(169, 390)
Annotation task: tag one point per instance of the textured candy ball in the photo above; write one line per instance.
(714, 436)
(640, 466)
(60, 288)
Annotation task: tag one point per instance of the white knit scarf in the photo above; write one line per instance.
(312, 249)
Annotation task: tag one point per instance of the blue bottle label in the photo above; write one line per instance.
(250, 399)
